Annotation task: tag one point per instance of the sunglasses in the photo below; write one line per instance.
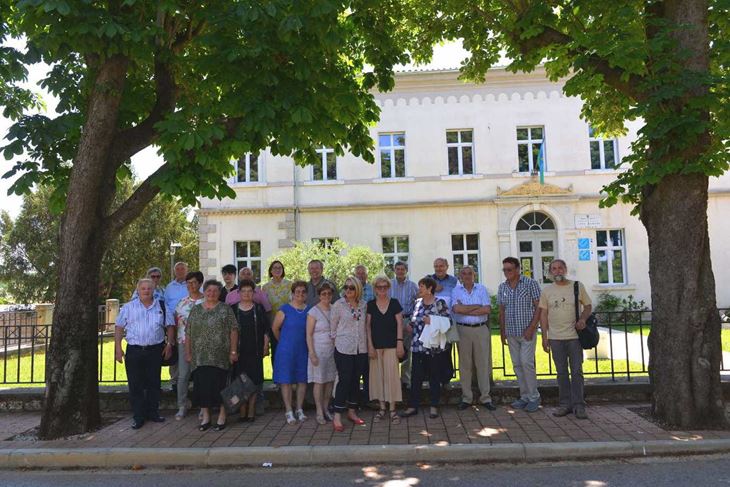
(349, 288)
(155, 277)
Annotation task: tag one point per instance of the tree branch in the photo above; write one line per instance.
(132, 140)
(134, 205)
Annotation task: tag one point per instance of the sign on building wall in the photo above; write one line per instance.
(584, 249)
(587, 221)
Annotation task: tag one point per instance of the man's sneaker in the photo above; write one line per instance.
(561, 411)
(532, 406)
(519, 404)
(463, 405)
(580, 412)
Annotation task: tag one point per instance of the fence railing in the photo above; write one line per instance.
(622, 353)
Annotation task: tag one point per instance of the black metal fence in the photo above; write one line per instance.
(622, 353)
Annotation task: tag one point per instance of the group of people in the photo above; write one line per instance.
(383, 335)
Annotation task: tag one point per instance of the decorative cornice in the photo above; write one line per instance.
(534, 188)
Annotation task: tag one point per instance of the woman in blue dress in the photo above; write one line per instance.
(290, 362)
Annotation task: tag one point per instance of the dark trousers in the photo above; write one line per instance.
(143, 366)
(349, 370)
(423, 365)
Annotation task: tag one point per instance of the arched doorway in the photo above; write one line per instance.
(536, 245)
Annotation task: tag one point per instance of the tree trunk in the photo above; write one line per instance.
(72, 394)
(684, 344)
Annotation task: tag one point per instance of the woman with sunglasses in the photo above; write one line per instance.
(385, 347)
(290, 363)
(347, 322)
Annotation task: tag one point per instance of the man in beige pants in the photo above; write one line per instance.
(470, 306)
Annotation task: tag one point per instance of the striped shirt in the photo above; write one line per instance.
(478, 295)
(174, 292)
(143, 324)
(406, 293)
(519, 304)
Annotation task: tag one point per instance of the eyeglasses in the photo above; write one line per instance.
(381, 287)
(349, 288)
(155, 277)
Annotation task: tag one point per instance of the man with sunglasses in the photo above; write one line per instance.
(518, 298)
(155, 274)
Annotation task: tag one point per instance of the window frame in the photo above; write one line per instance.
(459, 145)
(395, 255)
(465, 252)
(529, 142)
(602, 151)
(392, 148)
(609, 248)
(324, 242)
(247, 260)
(247, 171)
(322, 152)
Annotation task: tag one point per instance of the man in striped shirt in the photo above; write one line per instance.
(146, 325)
(406, 292)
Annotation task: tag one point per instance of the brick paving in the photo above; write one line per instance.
(613, 422)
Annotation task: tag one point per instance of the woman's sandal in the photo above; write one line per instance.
(394, 418)
(379, 416)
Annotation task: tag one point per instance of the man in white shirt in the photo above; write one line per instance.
(150, 334)
(470, 306)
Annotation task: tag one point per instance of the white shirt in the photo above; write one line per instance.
(478, 295)
(143, 324)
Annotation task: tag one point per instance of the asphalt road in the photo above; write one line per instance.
(675, 472)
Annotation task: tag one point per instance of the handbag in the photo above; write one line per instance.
(452, 334)
(173, 355)
(589, 335)
(237, 392)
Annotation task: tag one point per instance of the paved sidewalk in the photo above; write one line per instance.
(607, 423)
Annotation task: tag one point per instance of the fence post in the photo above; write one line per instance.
(44, 314)
(112, 310)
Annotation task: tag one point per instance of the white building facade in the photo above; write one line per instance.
(455, 177)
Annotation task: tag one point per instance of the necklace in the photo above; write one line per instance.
(356, 312)
(299, 310)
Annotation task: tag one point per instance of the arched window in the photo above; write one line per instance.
(535, 221)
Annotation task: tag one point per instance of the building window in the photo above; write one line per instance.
(530, 141)
(465, 251)
(395, 248)
(611, 253)
(460, 147)
(603, 151)
(247, 168)
(392, 155)
(326, 169)
(324, 242)
(248, 254)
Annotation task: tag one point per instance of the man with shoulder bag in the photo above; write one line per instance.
(560, 335)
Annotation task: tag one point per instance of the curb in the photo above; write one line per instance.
(57, 458)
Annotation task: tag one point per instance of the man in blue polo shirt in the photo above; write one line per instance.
(445, 283)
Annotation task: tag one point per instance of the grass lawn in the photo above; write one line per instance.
(112, 372)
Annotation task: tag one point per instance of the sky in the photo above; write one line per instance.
(147, 161)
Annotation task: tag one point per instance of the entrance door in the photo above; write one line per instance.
(536, 245)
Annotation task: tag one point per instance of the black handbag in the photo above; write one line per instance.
(589, 335)
(173, 356)
(237, 392)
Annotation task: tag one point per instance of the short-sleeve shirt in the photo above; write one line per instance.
(438, 307)
(406, 293)
(383, 326)
(210, 333)
(559, 301)
(478, 295)
(181, 315)
(519, 304)
(144, 325)
(448, 283)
